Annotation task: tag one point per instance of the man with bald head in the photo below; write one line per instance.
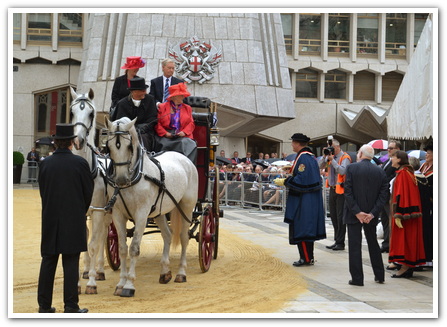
(366, 189)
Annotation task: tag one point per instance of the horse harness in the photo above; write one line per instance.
(138, 173)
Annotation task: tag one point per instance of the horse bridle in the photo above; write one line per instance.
(83, 100)
(117, 134)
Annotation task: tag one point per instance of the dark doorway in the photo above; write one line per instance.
(257, 144)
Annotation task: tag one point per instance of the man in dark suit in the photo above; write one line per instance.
(236, 158)
(160, 85)
(247, 158)
(390, 172)
(365, 194)
(140, 105)
(66, 189)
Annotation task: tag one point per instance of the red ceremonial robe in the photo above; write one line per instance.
(406, 244)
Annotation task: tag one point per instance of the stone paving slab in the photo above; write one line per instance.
(327, 281)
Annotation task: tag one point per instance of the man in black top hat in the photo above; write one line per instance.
(140, 105)
(304, 208)
(66, 189)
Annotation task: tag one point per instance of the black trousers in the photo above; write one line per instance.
(336, 203)
(385, 219)
(70, 264)
(355, 250)
(306, 250)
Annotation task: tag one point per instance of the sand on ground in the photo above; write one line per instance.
(245, 278)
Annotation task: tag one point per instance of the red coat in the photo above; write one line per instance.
(164, 119)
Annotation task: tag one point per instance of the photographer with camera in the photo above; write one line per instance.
(335, 161)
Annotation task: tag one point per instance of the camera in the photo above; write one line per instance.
(330, 149)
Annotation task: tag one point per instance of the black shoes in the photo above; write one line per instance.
(302, 262)
(50, 310)
(393, 266)
(380, 281)
(338, 247)
(407, 274)
(73, 310)
(331, 246)
(351, 282)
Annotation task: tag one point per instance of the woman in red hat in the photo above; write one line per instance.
(122, 83)
(175, 123)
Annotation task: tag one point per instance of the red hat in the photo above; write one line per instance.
(134, 63)
(178, 89)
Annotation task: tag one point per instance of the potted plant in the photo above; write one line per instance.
(17, 161)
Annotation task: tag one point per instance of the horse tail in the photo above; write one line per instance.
(176, 222)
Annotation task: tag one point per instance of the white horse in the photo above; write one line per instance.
(83, 116)
(145, 189)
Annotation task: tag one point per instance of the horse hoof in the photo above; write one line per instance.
(118, 291)
(85, 275)
(127, 292)
(180, 279)
(165, 278)
(91, 290)
(100, 276)
(79, 290)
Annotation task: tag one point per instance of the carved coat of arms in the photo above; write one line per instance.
(195, 60)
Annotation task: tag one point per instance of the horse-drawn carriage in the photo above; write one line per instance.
(205, 221)
(145, 188)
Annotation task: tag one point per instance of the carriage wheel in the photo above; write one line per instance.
(112, 248)
(216, 235)
(206, 239)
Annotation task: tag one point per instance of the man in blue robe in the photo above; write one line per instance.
(304, 208)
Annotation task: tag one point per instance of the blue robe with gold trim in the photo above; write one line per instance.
(304, 208)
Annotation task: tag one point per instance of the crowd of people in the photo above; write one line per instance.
(362, 193)
(398, 193)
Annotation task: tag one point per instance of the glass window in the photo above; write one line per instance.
(367, 33)
(310, 33)
(42, 113)
(396, 34)
(17, 25)
(335, 85)
(364, 86)
(306, 83)
(338, 38)
(39, 27)
(419, 23)
(390, 85)
(70, 28)
(287, 28)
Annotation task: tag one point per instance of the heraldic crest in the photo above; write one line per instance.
(195, 60)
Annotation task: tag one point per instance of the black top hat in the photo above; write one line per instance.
(300, 137)
(137, 83)
(429, 146)
(64, 131)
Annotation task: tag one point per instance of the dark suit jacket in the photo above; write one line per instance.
(390, 171)
(66, 189)
(157, 87)
(366, 190)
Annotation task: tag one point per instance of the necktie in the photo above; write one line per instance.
(166, 92)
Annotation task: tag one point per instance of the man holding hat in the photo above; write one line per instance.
(140, 105)
(304, 208)
(66, 189)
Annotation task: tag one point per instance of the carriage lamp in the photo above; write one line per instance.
(214, 137)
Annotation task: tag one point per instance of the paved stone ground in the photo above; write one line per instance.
(329, 294)
(328, 289)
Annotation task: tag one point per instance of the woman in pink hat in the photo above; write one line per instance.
(122, 83)
(175, 125)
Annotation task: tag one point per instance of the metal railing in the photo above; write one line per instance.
(259, 193)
